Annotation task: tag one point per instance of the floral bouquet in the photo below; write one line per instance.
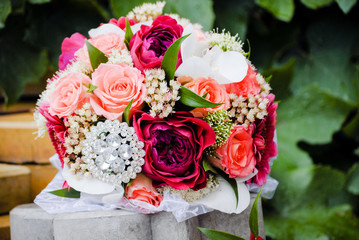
(151, 114)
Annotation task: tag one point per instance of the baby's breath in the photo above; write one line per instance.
(146, 12)
(225, 41)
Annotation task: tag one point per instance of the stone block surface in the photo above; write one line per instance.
(14, 185)
(31, 222)
(5, 227)
(18, 141)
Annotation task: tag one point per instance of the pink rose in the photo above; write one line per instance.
(174, 148)
(107, 43)
(117, 85)
(69, 94)
(249, 85)
(216, 94)
(236, 156)
(150, 43)
(141, 189)
(68, 48)
(121, 22)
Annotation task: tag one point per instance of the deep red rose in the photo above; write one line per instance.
(150, 43)
(174, 148)
(254, 238)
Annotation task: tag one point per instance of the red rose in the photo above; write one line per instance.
(150, 43)
(174, 148)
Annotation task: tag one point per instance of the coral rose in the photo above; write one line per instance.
(249, 85)
(216, 94)
(174, 147)
(141, 189)
(121, 22)
(69, 94)
(236, 156)
(117, 85)
(150, 43)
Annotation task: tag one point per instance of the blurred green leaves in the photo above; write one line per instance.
(281, 9)
(5, 10)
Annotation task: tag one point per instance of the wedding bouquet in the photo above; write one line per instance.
(150, 113)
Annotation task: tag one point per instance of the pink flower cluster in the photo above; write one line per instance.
(177, 145)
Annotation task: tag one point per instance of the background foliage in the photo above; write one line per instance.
(310, 49)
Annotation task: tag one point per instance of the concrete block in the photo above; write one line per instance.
(18, 141)
(111, 225)
(31, 222)
(5, 227)
(165, 226)
(14, 185)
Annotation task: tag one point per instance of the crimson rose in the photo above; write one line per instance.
(174, 148)
(150, 43)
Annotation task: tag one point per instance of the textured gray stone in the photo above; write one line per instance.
(31, 222)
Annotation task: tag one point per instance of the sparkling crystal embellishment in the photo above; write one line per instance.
(113, 152)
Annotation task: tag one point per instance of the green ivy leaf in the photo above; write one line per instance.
(207, 166)
(128, 34)
(218, 235)
(253, 216)
(96, 56)
(353, 179)
(191, 99)
(5, 10)
(127, 112)
(346, 5)
(19, 64)
(39, 1)
(281, 9)
(169, 60)
(90, 87)
(72, 193)
(314, 4)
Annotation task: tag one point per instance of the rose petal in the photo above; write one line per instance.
(106, 29)
(224, 199)
(86, 184)
(137, 27)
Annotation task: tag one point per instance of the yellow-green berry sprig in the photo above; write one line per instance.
(222, 125)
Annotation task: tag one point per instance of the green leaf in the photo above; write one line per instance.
(353, 180)
(208, 167)
(314, 4)
(199, 11)
(19, 64)
(191, 99)
(169, 60)
(39, 1)
(232, 182)
(253, 216)
(327, 60)
(346, 5)
(90, 87)
(96, 56)
(281, 9)
(218, 235)
(127, 112)
(121, 8)
(72, 193)
(128, 34)
(5, 10)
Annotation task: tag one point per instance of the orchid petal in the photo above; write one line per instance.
(193, 67)
(86, 184)
(231, 65)
(106, 29)
(191, 46)
(224, 199)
